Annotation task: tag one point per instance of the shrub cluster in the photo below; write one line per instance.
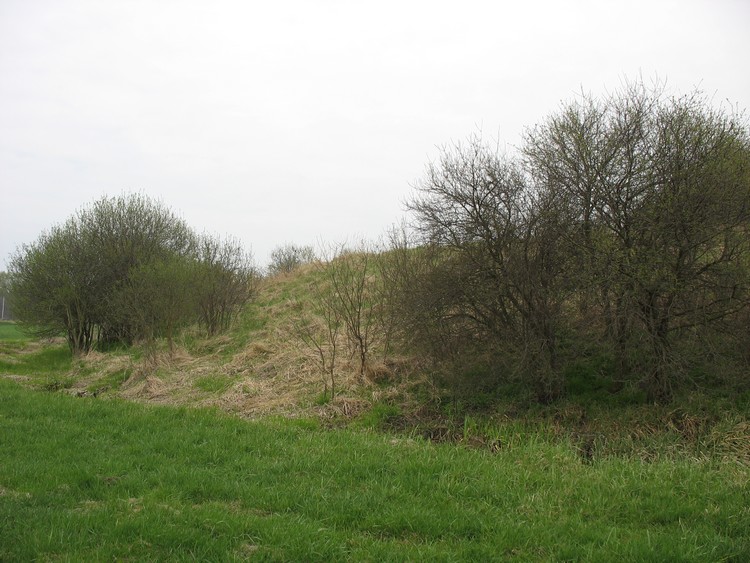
(288, 257)
(624, 221)
(126, 269)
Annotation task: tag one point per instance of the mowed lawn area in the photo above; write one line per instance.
(86, 479)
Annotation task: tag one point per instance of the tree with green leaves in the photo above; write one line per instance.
(125, 269)
(158, 299)
(54, 283)
(128, 234)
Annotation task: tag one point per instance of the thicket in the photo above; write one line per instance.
(127, 269)
(622, 222)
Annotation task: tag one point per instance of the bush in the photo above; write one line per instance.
(123, 269)
(287, 258)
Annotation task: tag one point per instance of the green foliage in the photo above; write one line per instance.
(53, 284)
(133, 237)
(162, 483)
(658, 190)
(126, 269)
(157, 299)
(225, 281)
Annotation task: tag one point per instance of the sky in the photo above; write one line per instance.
(309, 121)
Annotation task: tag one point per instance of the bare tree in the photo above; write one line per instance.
(500, 274)
(289, 257)
(225, 281)
(344, 303)
(319, 326)
(353, 296)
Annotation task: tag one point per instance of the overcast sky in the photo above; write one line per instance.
(308, 121)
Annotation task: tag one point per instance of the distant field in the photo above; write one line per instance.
(86, 479)
(9, 331)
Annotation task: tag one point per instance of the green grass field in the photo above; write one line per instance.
(10, 331)
(85, 479)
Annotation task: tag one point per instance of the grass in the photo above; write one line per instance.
(10, 331)
(30, 359)
(92, 479)
(214, 383)
(112, 380)
(487, 476)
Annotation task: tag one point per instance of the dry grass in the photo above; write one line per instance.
(733, 444)
(273, 374)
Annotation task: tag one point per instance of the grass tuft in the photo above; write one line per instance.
(215, 383)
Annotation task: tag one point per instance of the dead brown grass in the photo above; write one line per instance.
(273, 374)
(734, 443)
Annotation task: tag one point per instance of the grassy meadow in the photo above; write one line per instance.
(89, 479)
(224, 449)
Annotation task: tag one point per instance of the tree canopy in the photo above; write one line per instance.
(624, 218)
(127, 268)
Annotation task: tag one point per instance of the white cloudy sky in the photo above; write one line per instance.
(307, 121)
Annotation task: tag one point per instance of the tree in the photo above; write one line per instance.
(690, 261)
(124, 269)
(414, 285)
(499, 276)
(586, 156)
(287, 258)
(225, 282)
(127, 234)
(629, 214)
(658, 190)
(53, 281)
(352, 296)
(157, 299)
(319, 326)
